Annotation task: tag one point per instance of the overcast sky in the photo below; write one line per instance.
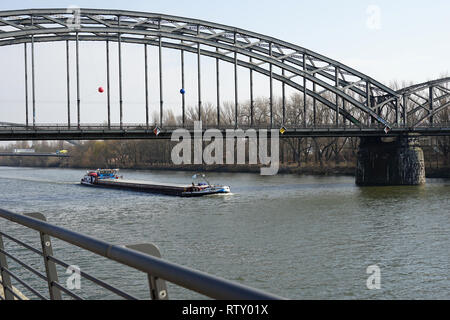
(387, 40)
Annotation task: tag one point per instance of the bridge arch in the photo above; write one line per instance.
(327, 81)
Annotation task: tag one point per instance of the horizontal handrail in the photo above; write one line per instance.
(5, 287)
(66, 291)
(26, 285)
(21, 243)
(203, 283)
(23, 264)
(103, 284)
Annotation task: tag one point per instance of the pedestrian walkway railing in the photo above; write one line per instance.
(143, 257)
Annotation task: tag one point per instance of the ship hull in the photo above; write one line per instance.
(171, 190)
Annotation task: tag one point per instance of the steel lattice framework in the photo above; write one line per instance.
(422, 102)
(357, 100)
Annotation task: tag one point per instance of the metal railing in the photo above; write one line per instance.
(143, 257)
(139, 126)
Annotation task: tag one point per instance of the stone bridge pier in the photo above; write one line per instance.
(390, 162)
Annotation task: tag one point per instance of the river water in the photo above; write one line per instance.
(300, 237)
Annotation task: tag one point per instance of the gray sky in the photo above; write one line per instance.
(388, 40)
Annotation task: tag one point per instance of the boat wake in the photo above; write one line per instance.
(39, 180)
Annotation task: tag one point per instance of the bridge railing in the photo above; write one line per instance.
(140, 126)
(144, 257)
(143, 126)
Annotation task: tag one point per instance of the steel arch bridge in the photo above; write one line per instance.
(360, 105)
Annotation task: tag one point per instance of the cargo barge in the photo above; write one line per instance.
(109, 178)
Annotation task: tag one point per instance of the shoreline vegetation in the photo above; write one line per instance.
(311, 170)
(304, 156)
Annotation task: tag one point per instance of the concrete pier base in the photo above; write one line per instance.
(390, 162)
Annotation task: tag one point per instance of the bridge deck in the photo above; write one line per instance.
(33, 154)
(141, 183)
(141, 132)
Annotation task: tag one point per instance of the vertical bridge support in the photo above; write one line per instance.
(383, 163)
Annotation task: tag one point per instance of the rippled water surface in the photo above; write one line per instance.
(300, 237)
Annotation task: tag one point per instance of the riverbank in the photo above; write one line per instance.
(312, 170)
(284, 169)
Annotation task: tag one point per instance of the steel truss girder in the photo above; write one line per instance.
(429, 97)
(192, 31)
(421, 86)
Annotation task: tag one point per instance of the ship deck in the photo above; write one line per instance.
(144, 186)
(143, 183)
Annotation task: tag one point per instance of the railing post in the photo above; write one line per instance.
(405, 114)
(50, 266)
(158, 288)
(6, 279)
(397, 112)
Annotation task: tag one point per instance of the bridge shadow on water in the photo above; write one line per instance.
(392, 192)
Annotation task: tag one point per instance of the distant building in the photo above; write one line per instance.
(23, 151)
